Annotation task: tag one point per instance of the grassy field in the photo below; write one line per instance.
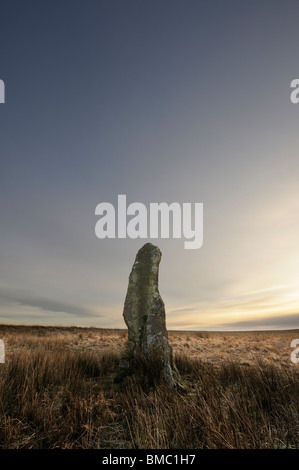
(57, 390)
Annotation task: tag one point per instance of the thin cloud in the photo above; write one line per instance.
(277, 322)
(30, 300)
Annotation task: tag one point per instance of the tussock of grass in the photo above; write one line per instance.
(55, 396)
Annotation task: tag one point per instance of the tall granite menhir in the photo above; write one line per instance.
(144, 313)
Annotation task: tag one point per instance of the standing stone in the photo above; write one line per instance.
(144, 313)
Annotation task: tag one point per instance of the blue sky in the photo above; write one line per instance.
(185, 101)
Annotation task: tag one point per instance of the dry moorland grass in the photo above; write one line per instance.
(57, 390)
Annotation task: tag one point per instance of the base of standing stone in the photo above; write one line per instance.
(153, 367)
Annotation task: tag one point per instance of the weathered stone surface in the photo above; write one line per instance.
(144, 312)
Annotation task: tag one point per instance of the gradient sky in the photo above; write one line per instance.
(161, 100)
